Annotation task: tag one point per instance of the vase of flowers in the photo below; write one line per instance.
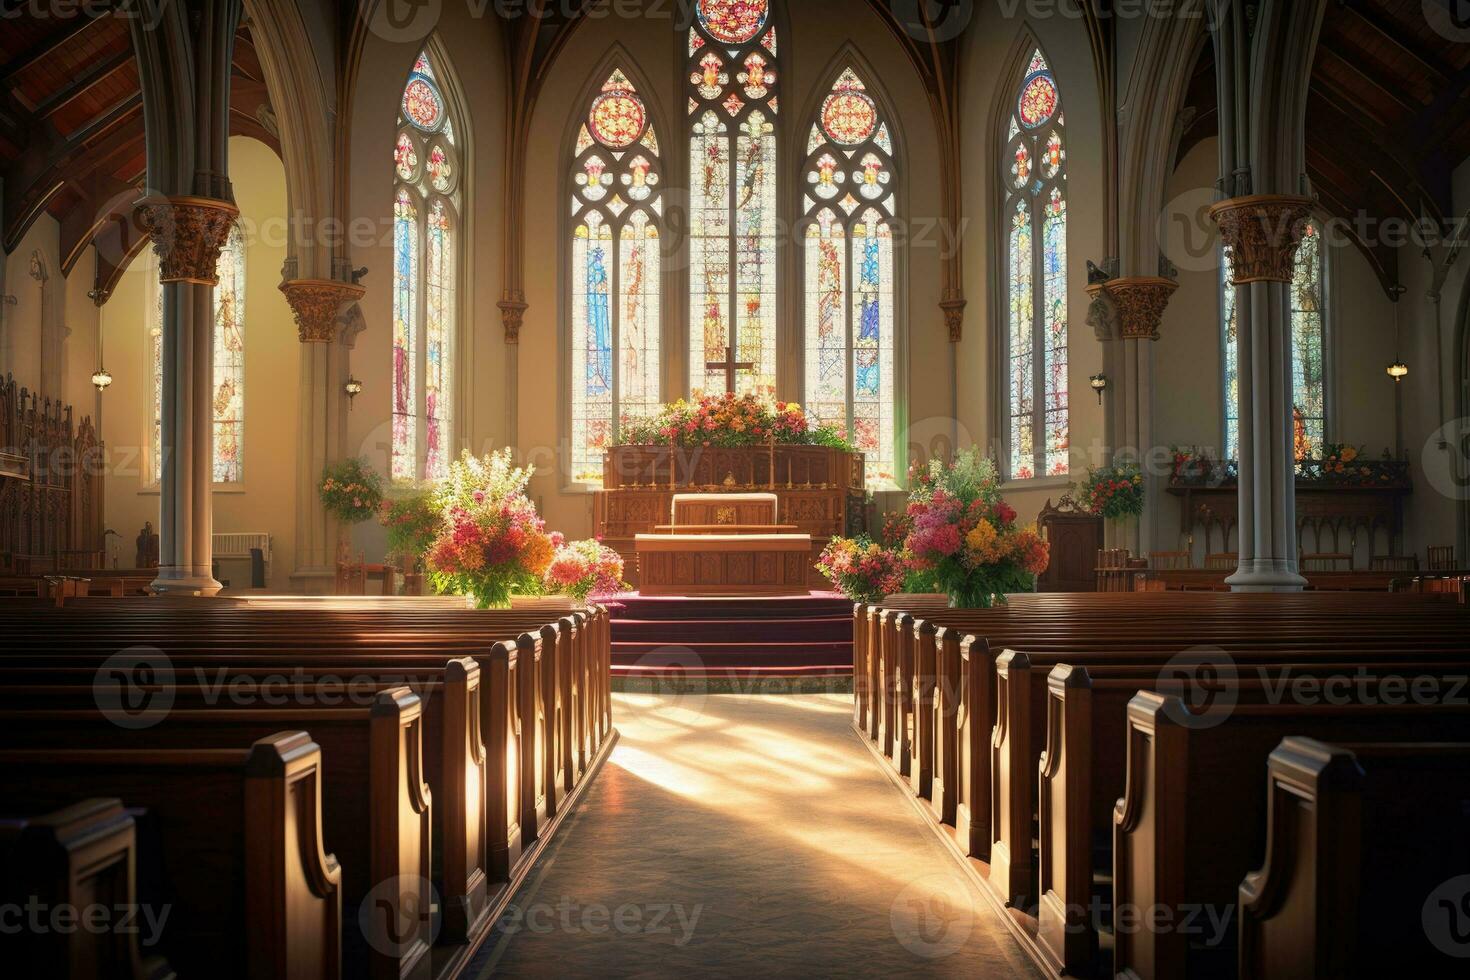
(584, 568)
(966, 536)
(490, 543)
(862, 569)
(351, 491)
(1113, 492)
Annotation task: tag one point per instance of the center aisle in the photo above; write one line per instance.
(745, 835)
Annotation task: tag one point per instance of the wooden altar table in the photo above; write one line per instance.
(724, 564)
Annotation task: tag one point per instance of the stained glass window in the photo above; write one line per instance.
(229, 361)
(228, 387)
(848, 312)
(1308, 352)
(1034, 175)
(616, 211)
(732, 108)
(427, 201)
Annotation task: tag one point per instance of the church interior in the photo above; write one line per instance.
(650, 487)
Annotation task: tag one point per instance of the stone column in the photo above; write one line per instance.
(317, 305)
(1138, 304)
(187, 233)
(512, 314)
(1262, 232)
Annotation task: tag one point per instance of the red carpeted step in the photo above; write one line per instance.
(818, 629)
(790, 634)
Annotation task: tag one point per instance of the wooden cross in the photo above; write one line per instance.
(729, 365)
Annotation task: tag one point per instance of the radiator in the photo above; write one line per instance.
(237, 544)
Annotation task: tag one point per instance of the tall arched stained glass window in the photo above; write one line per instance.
(616, 210)
(229, 361)
(228, 437)
(1034, 174)
(732, 104)
(1308, 351)
(848, 312)
(427, 202)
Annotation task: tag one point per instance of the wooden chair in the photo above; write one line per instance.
(1112, 570)
(1170, 559)
(352, 577)
(1441, 557)
(1222, 561)
(1327, 561)
(1394, 563)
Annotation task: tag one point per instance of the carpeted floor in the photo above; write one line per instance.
(752, 836)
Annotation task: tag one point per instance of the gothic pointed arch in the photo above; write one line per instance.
(732, 98)
(848, 203)
(428, 240)
(1031, 242)
(614, 168)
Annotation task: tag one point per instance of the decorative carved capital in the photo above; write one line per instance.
(954, 316)
(188, 233)
(1262, 231)
(512, 311)
(1139, 302)
(316, 303)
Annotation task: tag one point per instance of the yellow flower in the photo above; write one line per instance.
(1349, 454)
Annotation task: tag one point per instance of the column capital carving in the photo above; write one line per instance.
(1140, 302)
(1263, 231)
(187, 233)
(954, 316)
(512, 312)
(316, 303)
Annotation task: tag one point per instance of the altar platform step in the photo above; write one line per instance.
(797, 636)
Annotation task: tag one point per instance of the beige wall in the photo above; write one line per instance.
(265, 500)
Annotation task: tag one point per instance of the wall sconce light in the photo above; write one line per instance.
(1397, 370)
(352, 387)
(101, 378)
(1099, 384)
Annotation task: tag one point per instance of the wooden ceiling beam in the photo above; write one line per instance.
(1394, 94)
(48, 49)
(1376, 22)
(84, 83)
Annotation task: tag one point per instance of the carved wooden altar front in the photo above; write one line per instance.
(819, 490)
(1328, 518)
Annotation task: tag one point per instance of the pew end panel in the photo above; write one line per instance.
(397, 911)
(1065, 931)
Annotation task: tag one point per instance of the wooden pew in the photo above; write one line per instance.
(250, 888)
(1361, 840)
(1082, 770)
(1191, 822)
(76, 858)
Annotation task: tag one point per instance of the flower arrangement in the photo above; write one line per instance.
(491, 543)
(351, 490)
(966, 536)
(728, 420)
(583, 568)
(1114, 492)
(412, 523)
(1345, 465)
(862, 569)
